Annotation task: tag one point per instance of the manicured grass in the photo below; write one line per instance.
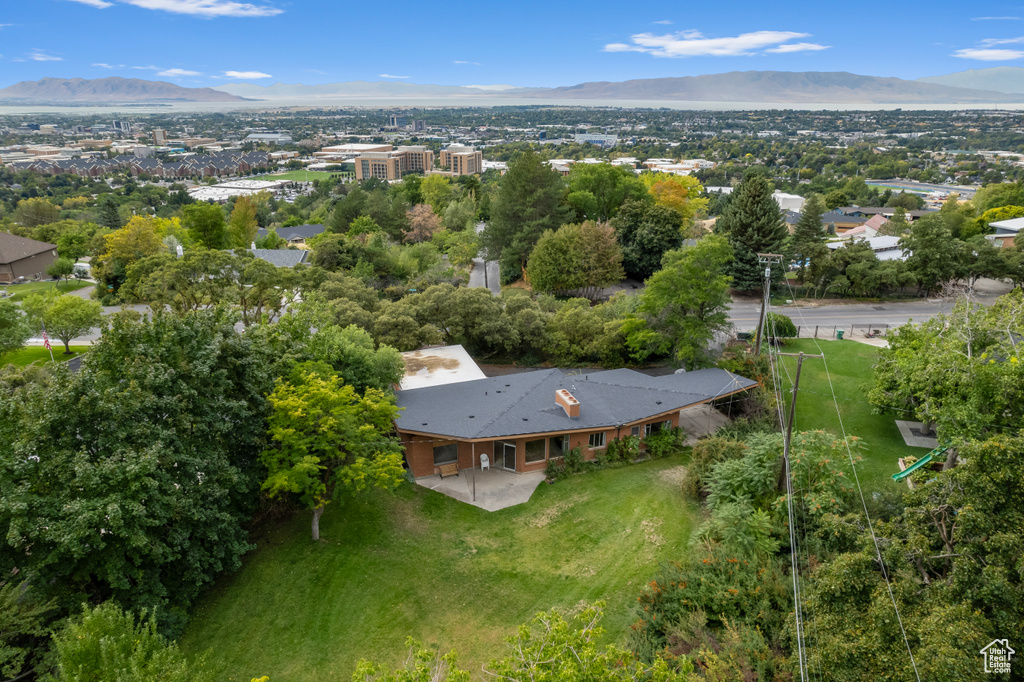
(416, 563)
(19, 291)
(850, 364)
(301, 175)
(31, 354)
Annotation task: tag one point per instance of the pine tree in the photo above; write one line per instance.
(108, 213)
(809, 232)
(753, 223)
(530, 200)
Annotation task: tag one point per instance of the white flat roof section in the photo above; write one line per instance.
(438, 366)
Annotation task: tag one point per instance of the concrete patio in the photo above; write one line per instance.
(494, 488)
(700, 420)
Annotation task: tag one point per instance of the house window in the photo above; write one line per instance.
(654, 428)
(635, 431)
(445, 454)
(597, 440)
(535, 450)
(559, 445)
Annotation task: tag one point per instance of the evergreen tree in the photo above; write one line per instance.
(809, 232)
(109, 216)
(753, 223)
(530, 200)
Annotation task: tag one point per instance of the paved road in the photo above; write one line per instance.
(476, 275)
(745, 314)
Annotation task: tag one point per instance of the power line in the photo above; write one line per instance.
(860, 491)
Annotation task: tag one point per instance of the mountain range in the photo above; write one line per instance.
(997, 85)
(113, 89)
(998, 78)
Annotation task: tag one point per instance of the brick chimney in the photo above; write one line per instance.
(568, 403)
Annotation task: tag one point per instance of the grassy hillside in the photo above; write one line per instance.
(850, 364)
(416, 563)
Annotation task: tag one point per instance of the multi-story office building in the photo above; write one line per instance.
(393, 164)
(462, 160)
(159, 136)
(599, 140)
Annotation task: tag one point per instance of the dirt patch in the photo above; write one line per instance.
(554, 511)
(431, 363)
(650, 528)
(674, 476)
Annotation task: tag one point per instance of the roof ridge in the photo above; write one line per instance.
(514, 403)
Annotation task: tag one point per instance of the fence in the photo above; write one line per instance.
(830, 331)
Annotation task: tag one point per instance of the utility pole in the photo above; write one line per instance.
(765, 259)
(787, 472)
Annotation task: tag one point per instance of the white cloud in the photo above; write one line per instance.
(461, 61)
(663, 22)
(988, 55)
(145, 68)
(797, 47)
(491, 88)
(693, 44)
(995, 19)
(246, 75)
(388, 75)
(41, 56)
(988, 42)
(178, 73)
(198, 8)
(207, 8)
(109, 66)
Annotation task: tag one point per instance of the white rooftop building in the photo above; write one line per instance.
(438, 366)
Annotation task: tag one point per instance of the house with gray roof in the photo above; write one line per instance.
(522, 421)
(282, 258)
(297, 235)
(23, 257)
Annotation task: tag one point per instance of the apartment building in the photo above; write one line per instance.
(462, 160)
(394, 163)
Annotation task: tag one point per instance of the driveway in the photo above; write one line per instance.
(477, 278)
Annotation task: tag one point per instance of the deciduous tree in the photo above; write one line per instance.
(205, 222)
(646, 233)
(326, 437)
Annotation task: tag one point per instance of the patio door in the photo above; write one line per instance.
(507, 451)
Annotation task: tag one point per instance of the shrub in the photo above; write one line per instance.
(779, 326)
(624, 449)
(574, 460)
(552, 471)
(665, 442)
(106, 643)
(706, 454)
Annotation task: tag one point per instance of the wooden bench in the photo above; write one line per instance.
(451, 469)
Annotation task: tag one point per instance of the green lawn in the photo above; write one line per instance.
(31, 354)
(416, 563)
(850, 364)
(301, 175)
(19, 291)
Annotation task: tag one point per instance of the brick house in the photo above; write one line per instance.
(521, 421)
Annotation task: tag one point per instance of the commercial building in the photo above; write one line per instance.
(599, 140)
(159, 136)
(270, 138)
(392, 164)
(462, 160)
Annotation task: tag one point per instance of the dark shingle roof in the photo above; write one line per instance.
(282, 258)
(300, 231)
(13, 248)
(522, 404)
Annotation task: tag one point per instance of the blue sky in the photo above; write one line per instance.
(529, 43)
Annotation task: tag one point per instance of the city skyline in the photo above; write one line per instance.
(211, 42)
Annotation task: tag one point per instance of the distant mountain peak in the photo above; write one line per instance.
(1008, 79)
(111, 89)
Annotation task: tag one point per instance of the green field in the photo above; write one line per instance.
(31, 354)
(301, 176)
(416, 563)
(20, 291)
(850, 364)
